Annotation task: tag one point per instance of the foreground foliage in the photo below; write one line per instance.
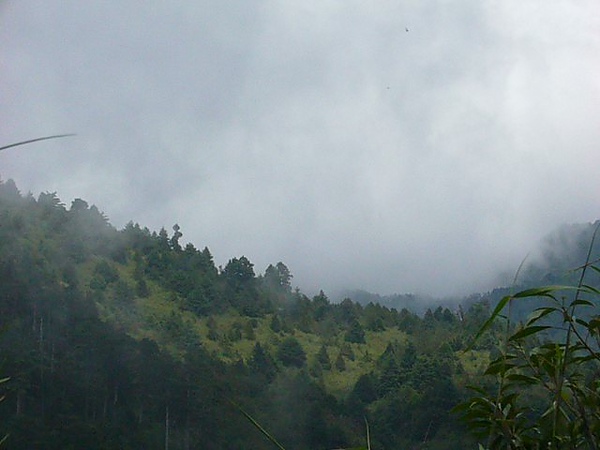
(547, 390)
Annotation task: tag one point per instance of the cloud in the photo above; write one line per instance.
(322, 134)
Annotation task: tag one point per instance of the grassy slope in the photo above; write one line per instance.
(161, 318)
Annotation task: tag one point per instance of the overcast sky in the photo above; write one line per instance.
(395, 146)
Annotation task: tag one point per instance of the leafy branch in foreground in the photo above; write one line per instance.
(548, 390)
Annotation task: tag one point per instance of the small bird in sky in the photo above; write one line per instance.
(406, 29)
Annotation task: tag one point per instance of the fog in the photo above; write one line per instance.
(417, 146)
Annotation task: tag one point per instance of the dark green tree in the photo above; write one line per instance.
(261, 362)
(321, 306)
(355, 333)
(174, 241)
(279, 278)
(275, 324)
(239, 272)
(408, 321)
(323, 358)
(409, 357)
(291, 353)
(363, 393)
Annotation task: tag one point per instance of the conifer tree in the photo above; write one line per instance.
(323, 358)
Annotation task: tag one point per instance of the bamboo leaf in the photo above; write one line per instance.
(517, 377)
(488, 323)
(35, 140)
(258, 426)
(540, 313)
(500, 367)
(594, 323)
(591, 290)
(477, 389)
(544, 291)
(461, 407)
(581, 302)
(528, 331)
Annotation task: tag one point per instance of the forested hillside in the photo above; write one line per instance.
(129, 339)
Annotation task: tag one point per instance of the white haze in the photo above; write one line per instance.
(319, 133)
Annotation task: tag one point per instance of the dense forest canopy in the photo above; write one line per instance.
(130, 339)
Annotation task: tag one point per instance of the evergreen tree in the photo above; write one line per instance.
(174, 241)
(355, 333)
(275, 324)
(323, 358)
(291, 353)
(363, 393)
(261, 362)
(279, 278)
(321, 306)
(409, 357)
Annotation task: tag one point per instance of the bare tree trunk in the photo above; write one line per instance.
(42, 389)
(52, 358)
(105, 410)
(34, 321)
(19, 404)
(116, 394)
(41, 334)
(186, 442)
(167, 427)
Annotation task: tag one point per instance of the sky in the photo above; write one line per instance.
(398, 147)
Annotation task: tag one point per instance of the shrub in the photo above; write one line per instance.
(547, 387)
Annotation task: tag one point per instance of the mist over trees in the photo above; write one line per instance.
(131, 339)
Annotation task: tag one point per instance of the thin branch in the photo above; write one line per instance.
(56, 136)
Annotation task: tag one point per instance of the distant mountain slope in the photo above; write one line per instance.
(557, 261)
(562, 252)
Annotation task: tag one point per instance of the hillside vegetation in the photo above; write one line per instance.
(129, 339)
